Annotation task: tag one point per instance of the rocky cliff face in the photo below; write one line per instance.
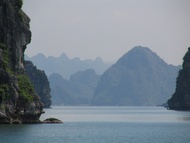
(180, 100)
(14, 32)
(18, 101)
(40, 82)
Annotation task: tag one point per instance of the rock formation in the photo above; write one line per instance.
(18, 101)
(40, 82)
(139, 78)
(180, 100)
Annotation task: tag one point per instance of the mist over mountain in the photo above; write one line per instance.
(140, 77)
(78, 90)
(59, 87)
(66, 66)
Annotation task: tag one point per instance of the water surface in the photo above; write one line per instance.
(104, 125)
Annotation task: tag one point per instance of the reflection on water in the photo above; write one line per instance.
(185, 118)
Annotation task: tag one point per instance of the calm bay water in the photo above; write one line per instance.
(104, 125)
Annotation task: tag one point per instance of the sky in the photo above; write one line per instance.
(109, 28)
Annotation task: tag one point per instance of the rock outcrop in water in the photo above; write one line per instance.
(40, 82)
(18, 100)
(180, 100)
(52, 121)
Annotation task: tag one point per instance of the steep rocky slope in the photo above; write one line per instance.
(40, 82)
(180, 100)
(18, 101)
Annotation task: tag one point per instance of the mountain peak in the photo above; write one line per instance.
(140, 48)
(99, 59)
(63, 56)
(40, 55)
(139, 77)
(138, 51)
(140, 57)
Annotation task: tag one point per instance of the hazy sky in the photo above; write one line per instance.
(109, 28)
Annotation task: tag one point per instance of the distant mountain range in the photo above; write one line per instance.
(139, 78)
(65, 66)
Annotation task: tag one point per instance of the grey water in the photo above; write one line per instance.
(104, 125)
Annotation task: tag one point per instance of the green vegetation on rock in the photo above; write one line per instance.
(4, 88)
(2, 46)
(26, 88)
(5, 56)
(4, 94)
(19, 3)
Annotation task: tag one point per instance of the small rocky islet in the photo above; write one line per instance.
(52, 121)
